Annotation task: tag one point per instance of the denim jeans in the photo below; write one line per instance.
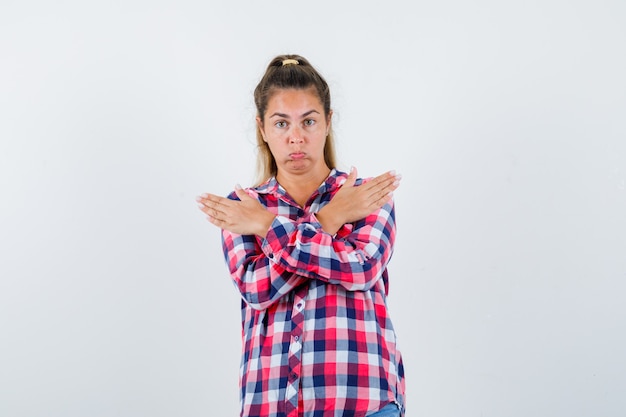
(390, 410)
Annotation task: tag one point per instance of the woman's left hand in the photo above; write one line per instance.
(244, 217)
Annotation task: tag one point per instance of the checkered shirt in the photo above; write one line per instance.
(317, 337)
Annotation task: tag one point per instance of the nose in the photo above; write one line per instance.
(296, 136)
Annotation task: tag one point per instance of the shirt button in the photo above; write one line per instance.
(296, 338)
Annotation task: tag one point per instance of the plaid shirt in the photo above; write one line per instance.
(317, 337)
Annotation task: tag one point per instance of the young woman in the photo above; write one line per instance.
(308, 249)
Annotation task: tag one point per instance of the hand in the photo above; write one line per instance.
(244, 217)
(352, 203)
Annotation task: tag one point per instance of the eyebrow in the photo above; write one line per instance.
(283, 115)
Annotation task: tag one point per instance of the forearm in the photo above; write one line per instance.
(260, 282)
(354, 258)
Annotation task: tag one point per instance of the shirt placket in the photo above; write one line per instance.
(295, 354)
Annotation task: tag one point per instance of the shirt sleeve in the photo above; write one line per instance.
(260, 281)
(355, 258)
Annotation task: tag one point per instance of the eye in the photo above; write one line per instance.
(309, 122)
(280, 124)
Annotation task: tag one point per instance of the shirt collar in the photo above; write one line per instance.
(334, 179)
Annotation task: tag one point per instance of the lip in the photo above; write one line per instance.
(297, 155)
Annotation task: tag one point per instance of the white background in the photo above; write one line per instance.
(506, 119)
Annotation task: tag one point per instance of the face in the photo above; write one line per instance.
(295, 129)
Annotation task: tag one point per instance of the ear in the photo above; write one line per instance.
(329, 119)
(259, 124)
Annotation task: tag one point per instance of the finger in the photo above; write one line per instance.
(200, 199)
(351, 179)
(383, 199)
(208, 201)
(386, 199)
(208, 211)
(396, 182)
(387, 177)
(215, 206)
(241, 193)
(208, 198)
(215, 221)
(373, 185)
(383, 191)
(391, 187)
(376, 188)
(388, 180)
(203, 204)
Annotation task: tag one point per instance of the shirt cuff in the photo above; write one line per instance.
(282, 231)
(277, 237)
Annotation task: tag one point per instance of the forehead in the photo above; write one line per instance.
(292, 100)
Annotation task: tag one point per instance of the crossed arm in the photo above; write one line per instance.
(348, 242)
(351, 203)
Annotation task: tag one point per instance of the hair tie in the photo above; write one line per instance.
(290, 61)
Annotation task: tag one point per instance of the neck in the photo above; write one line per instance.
(301, 187)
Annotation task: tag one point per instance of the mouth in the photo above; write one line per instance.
(297, 155)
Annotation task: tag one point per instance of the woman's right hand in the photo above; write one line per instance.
(245, 216)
